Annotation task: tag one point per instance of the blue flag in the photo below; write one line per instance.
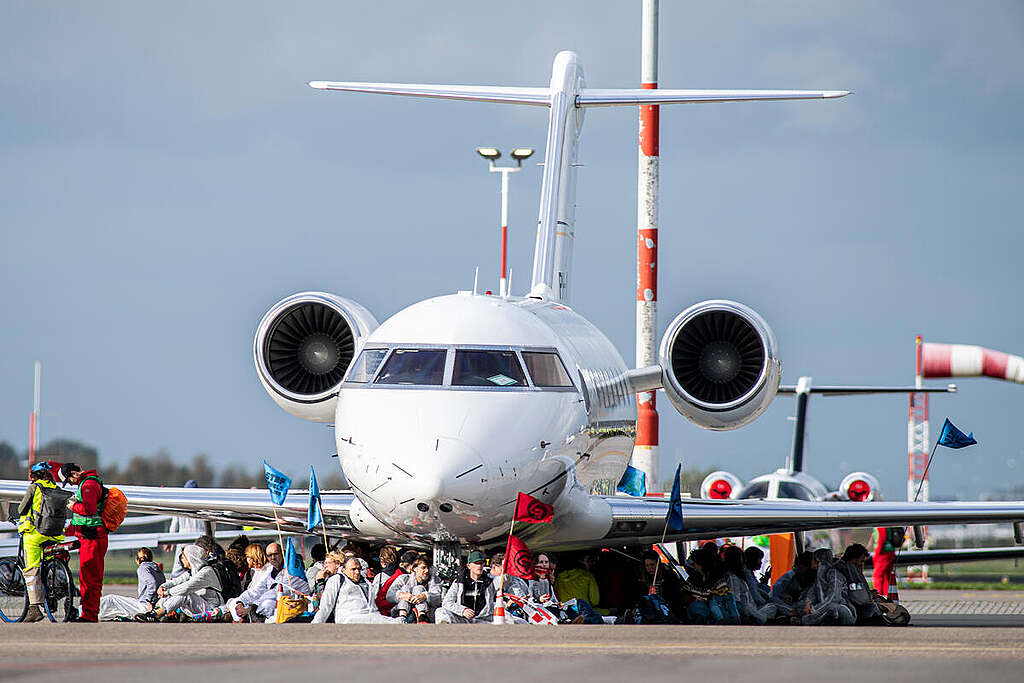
(674, 520)
(633, 482)
(277, 482)
(313, 516)
(951, 437)
(293, 561)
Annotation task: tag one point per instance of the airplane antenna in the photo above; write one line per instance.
(476, 278)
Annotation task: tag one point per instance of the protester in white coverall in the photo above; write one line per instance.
(193, 593)
(259, 600)
(416, 594)
(347, 600)
(184, 525)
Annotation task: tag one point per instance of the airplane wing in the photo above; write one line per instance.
(119, 541)
(905, 558)
(244, 507)
(642, 520)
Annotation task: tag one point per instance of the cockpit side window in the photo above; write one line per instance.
(487, 369)
(366, 365)
(414, 366)
(546, 369)
(757, 489)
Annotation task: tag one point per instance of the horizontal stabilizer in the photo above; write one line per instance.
(475, 93)
(851, 391)
(593, 97)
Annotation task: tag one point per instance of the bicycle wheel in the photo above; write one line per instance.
(13, 598)
(60, 598)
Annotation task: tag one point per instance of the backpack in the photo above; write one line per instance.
(652, 609)
(857, 591)
(53, 511)
(894, 537)
(115, 508)
(230, 584)
(381, 599)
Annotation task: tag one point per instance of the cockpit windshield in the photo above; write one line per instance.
(546, 369)
(791, 489)
(757, 489)
(487, 369)
(414, 366)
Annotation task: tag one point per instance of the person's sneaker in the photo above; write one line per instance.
(33, 614)
(579, 619)
(145, 617)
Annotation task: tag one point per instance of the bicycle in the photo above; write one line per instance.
(59, 588)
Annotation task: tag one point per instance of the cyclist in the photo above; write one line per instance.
(42, 514)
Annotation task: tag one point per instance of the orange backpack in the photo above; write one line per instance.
(115, 507)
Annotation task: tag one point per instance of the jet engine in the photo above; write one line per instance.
(304, 344)
(720, 485)
(719, 364)
(859, 487)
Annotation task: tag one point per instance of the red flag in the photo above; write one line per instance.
(531, 510)
(518, 559)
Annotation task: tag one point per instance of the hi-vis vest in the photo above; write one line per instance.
(90, 520)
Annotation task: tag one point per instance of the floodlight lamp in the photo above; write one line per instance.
(520, 153)
(489, 153)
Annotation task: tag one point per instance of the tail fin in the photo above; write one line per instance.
(566, 96)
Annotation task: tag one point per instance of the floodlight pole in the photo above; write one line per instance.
(504, 171)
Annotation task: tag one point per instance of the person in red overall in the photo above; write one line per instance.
(87, 525)
(884, 559)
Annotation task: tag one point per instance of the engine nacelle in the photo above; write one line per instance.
(859, 487)
(719, 364)
(304, 344)
(720, 485)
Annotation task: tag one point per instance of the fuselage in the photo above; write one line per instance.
(458, 402)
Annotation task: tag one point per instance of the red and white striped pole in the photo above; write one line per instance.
(645, 450)
(33, 420)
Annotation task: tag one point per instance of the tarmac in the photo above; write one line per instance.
(947, 641)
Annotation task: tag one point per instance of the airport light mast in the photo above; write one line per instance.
(645, 449)
(492, 154)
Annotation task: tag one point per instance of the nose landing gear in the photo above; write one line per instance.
(447, 561)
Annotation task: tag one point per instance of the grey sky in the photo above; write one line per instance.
(167, 176)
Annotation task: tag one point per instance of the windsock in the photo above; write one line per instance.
(960, 360)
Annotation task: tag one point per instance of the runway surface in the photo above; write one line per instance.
(938, 647)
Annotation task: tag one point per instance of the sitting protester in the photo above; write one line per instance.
(383, 580)
(825, 601)
(469, 600)
(259, 600)
(234, 557)
(190, 594)
(416, 595)
(318, 553)
(753, 557)
(708, 576)
(859, 597)
(122, 607)
(577, 582)
(735, 576)
(347, 599)
(788, 588)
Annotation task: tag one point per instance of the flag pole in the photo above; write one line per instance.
(323, 523)
(664, 533)
(280, 541)
(924, 476)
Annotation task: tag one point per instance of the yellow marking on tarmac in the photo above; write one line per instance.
(732, 647)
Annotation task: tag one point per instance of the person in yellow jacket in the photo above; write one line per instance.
(33, 513)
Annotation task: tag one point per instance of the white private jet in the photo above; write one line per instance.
(792, 482)
(453, 405)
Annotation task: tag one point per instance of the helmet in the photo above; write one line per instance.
(41, 467)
